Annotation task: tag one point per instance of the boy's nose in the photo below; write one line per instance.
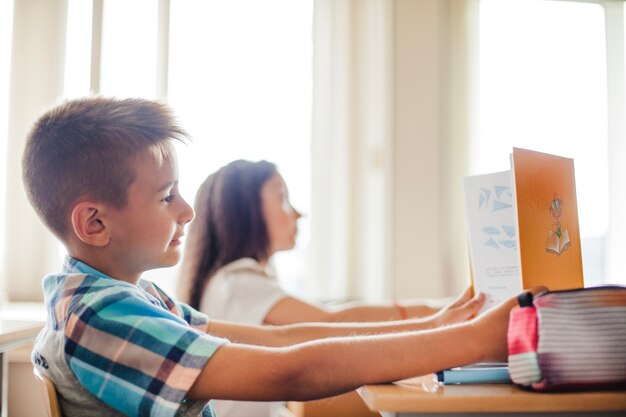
(187, 213)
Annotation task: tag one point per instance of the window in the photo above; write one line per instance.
(241, 84)
(544, 86)
(129, 45)
(78, 49)
(6, 27)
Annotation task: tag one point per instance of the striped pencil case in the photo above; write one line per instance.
(573, 339)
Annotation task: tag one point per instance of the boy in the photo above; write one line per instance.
(102, 175)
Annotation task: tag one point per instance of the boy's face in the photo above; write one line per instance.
(146, 233)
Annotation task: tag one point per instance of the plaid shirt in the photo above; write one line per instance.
(130, 346)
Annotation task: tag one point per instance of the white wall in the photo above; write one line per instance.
(36, 84)
(417, 186)
(432, 129)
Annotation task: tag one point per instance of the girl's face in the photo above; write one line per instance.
(280, 217)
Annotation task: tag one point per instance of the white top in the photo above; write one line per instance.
(244, 292)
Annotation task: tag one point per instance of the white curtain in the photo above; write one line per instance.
(351, 149)
(616, 70)
(391, 129)
(36, 84)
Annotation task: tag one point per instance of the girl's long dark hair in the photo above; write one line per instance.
(229, 225)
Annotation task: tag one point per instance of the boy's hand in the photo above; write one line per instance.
(461, 309)
(493, 325)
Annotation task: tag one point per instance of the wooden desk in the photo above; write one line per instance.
(346, 405)
(422, 397)
(13, 334)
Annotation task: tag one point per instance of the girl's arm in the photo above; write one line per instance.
(458, 311)
(292, 310)
(327, 367)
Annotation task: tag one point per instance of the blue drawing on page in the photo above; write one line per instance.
(483, 199)
(510, 244)
(499, 189)
(498, 205)
(492, 244)
(509, 230)
(501, 201)
(490, 230)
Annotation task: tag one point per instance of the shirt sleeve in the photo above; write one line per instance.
(251, 297)
(193, 317)
(121, 345)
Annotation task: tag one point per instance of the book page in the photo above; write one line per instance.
(492, 236)
(550, 247)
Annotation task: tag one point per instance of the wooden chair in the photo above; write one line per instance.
(48, 393)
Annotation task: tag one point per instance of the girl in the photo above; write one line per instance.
(243, 217)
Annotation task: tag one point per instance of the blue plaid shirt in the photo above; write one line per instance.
(130, 346)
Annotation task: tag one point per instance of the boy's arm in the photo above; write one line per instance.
(457, 311)
(329, 367)
(322, 368)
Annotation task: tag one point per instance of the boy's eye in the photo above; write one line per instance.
(169, 198)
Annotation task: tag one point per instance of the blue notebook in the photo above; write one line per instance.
(480, 373)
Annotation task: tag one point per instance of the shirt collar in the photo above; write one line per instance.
(74, 266)
(248, 264)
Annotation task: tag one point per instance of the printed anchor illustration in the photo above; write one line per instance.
(558, 237)
(504, 236)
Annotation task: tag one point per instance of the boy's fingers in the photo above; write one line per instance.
(537, 290)
(513, 302)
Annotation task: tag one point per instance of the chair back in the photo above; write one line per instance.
(48, 393)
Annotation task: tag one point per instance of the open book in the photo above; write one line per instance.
(522, 227)
(558, 241)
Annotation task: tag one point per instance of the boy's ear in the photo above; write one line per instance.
(88, 223)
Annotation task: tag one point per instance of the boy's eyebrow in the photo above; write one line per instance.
(168, 185)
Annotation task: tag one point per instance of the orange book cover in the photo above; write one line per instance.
(547, 218)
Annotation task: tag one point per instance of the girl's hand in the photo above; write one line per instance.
(463, 308)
